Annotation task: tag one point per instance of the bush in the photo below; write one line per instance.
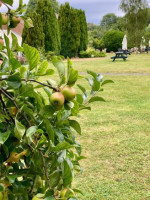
(91, 54)
(113, 40)
(49, 55)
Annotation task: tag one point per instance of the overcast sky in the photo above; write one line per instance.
(95, 9)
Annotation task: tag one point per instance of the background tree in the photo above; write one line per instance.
(34, 36)
(69, 30)
(108, 20)
(32, 4)
(112, 40)
(83, 31)
(137, 19)
(50, 25)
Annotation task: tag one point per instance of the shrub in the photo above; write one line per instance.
(49, 55)
(91, 54)
(113, 40)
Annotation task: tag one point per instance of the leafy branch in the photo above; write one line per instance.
(6, 94)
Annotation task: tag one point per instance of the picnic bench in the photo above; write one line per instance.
(126, 52)
(119, 55)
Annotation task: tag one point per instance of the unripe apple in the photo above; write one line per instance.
(57, 100)
(16, 20)
(4, 19)
(0, 3)
(2, 41)
(69, 93)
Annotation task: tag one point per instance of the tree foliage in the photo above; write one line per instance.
(33, 3)
(83, 30)
(45, 27)
(38, 148)
(69, 30)
(73, 30)
(34, 36)
(50, 26)
(113, 40)
(137, 20)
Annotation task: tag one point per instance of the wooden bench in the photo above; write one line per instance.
(119, 55)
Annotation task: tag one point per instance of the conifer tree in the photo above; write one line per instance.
(83, 31)
(69, 30)
(32, 5)
(34, 36)
(75, 32)
(50, 25)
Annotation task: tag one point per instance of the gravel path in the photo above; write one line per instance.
(121, 74)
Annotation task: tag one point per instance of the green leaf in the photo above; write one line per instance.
(19, 130)
(28, 22)
(32, 55)
(49, 198)
(23, 72)
(14, 81)
(15, 64)
(43, 140)
(42, 68)
(75, 109)
(79, 98)
(96, 98)
(7, 42)
(15, 45)
(10, 2)
(27, 90)
(54, 178)
(73, 77)
(4, 136)
(106, 82)
(75, 125)
(67, 172)
(92, 74)
(49, 72)
(83, 90)
(60, 68)
(49, 129)
(5, 66)
(61, 146)
(47, 111)
(31, 131)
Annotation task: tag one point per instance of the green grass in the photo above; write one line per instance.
(116, 135)
(135, 63)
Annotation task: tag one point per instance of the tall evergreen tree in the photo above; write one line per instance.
(69, 30)
(83, 31)
(32, 5)
(34, 36)
(50, 25)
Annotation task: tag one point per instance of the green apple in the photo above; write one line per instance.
(16, 20)
(69, 93)
(4, 19)
(57, 100)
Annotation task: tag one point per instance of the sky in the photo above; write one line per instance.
(94, 9)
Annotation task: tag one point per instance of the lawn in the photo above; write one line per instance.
(135, 63)
(116, 136)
